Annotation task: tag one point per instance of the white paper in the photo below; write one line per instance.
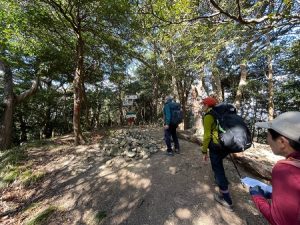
(250, 182)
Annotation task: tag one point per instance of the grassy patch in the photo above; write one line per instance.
(10, 162)
(28, 177)
(12, 157)
(10, 175)
(12, 168)
(100, 216)
(43, 216)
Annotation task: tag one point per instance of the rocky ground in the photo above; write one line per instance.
(125, 178)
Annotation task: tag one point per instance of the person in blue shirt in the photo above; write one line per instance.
(170, 129)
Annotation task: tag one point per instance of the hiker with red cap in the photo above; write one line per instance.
(284, 140)
(216, 153)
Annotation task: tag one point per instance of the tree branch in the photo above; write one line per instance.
(169, 22)
(224, 12)
(239, 8)
(242, 20)
(59, 8)
(20, 98)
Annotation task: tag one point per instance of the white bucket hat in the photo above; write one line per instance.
(169, 98)
(286, 124)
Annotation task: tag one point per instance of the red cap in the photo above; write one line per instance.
(209, 101)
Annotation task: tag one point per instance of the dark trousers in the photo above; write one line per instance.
(171, 132)
(217, 154)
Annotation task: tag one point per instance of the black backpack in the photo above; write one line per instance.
(176, 113)
(234, 135)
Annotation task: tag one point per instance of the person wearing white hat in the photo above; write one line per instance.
(284, 140)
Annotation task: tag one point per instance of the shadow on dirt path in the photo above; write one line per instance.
(179, 190)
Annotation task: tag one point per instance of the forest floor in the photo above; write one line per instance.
(82, 186)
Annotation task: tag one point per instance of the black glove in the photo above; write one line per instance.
(256, 190)
(268, 195)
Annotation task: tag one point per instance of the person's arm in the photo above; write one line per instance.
(264, 207)
(282, 197)
(167, 114)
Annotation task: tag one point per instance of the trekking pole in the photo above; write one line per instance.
(232, 160)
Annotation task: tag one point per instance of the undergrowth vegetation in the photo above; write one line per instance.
(16, 166)
(42, 217)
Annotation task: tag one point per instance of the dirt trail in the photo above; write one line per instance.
(161, 190)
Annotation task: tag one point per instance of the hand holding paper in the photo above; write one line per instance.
(257, 187)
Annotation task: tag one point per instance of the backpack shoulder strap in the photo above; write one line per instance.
(291, 161)
(213, 114)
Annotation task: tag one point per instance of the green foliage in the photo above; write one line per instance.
(29, 177)
(287, 97)
(292, 63)
(49, 111)
(10, 162)
(10, 175)
(13, 168)
(12, 157)
(43, 216)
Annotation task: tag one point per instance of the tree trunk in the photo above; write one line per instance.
(183, 89)
(65, 112)
(10, 101)
(155, 95)
(77, 85)
(9, 104)
(205, 87)
(242, 83)
(270, 89)
(121, 107)
(254, 121)
(216, 83)
(198, 125)
(23, 129)
(174, 88)
(47, 129)
(86, 109)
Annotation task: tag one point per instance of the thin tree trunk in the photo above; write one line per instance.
(47, 130)
(121, 107)
(198, 125)
(155, 95)
(270, 89)
(216, 81)
(174, 88)
(254, 121)
(242, 83)
(65, 113)
(77, 85)
(183, 89)
(205, 87)
(86, 108)
(23, 129)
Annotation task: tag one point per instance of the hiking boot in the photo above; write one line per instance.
(219, 198)
(177, 151)
(170, 153)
